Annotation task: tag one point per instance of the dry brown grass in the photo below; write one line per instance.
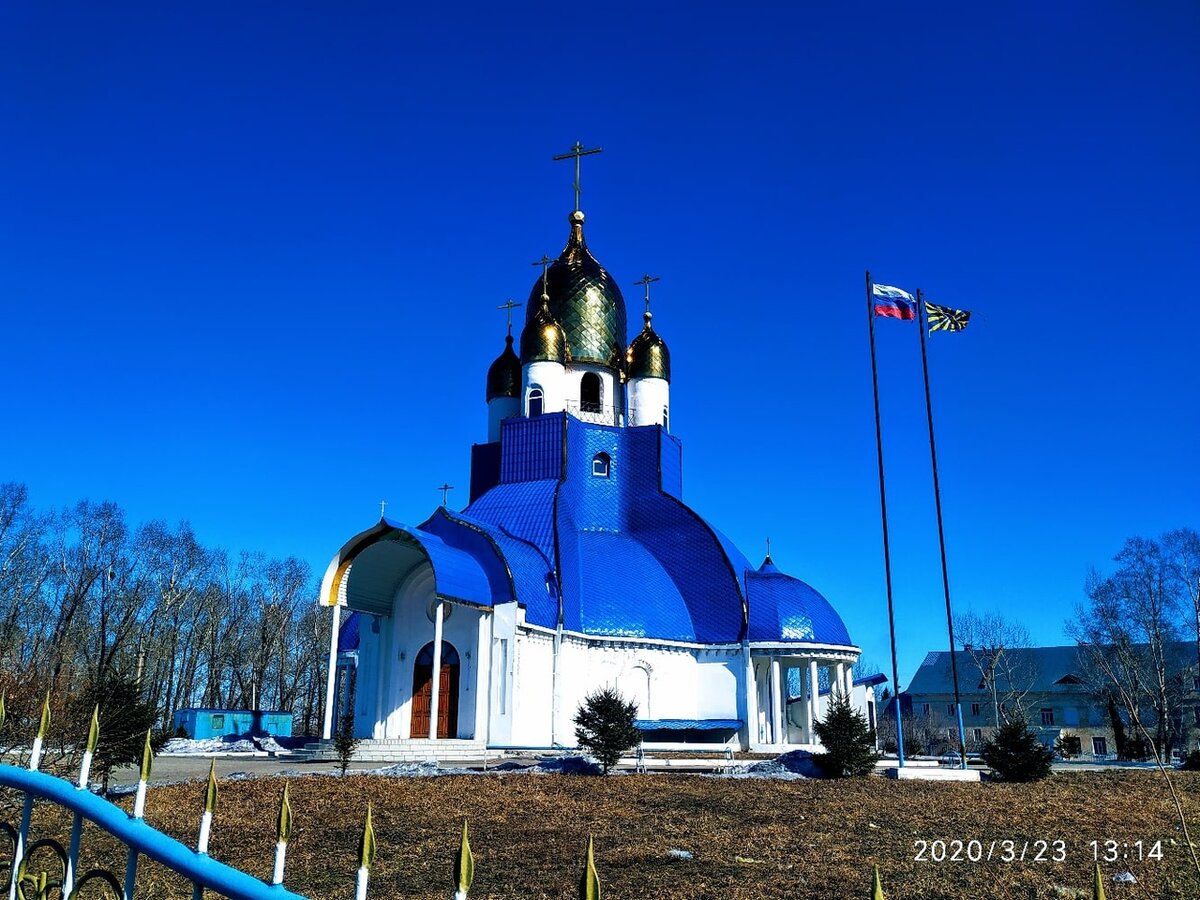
(751, 839)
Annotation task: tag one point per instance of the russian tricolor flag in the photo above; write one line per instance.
(893, 303)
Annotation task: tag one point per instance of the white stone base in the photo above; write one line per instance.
(927, 773)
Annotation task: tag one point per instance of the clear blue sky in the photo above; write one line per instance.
(250, 256)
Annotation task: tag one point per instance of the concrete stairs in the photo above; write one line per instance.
(392, 750)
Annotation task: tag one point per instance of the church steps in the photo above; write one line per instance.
(399, 750)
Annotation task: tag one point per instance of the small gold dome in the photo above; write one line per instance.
(504, 375)
(542, 338)
(647, 356)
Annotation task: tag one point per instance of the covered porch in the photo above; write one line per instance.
(784, 688)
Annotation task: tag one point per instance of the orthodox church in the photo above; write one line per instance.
(576, 565)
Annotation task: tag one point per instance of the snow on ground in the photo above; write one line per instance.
(208, 746)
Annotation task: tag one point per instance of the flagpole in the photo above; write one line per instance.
(937, 500)
(887, 554)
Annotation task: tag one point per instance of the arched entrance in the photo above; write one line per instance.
(447, 723)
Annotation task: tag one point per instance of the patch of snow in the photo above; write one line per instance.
(566, 765)
(189, 747)
(793, 766)
(681, 854)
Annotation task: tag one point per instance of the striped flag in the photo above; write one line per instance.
(893, 303)
(944, 318)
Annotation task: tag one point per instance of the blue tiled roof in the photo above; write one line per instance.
(525, 509)
(457, 572)
(630, 558)
(785, 608)
(687, 724)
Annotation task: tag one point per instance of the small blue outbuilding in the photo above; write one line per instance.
(202, 724)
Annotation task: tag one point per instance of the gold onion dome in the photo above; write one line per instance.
(648, 356)
(585, 300)
(543, 338)
(504, 375)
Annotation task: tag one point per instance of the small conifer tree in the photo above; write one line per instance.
(604, 726)
(848, 739)
(344, 742)
(1015, 754)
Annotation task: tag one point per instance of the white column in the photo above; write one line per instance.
(814, 695)
(838, 681)
(849, 681)
(437, 668)
(330, 682)
(752, 736)
(777, 736)
(805, 705)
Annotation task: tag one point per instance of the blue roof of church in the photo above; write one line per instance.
(786, 608)
(628, 556)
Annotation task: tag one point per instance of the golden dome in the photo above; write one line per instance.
(648, 356)
(542, 339)
(585, 300)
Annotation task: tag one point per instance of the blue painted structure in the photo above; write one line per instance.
(541, 529)
(202, 724)
(140, 837)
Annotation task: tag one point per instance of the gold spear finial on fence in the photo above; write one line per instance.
(366, 856)
(210, 789)
(876, 886)
(589, 884)
(147, 759)
(283, 831)
(93, 738)
(44, 722)
(464, 866)
(283, 828)
(1097, 884)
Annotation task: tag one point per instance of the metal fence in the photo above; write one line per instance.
(45, 870)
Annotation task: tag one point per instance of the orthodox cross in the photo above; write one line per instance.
(544, 262)
(509, 305)
(445, 489)
(576, 153)
(382, 507)
(646, 281)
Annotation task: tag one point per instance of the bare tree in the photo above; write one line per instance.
(994, 644)
(1128, 630)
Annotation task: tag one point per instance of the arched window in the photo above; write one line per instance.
(535, 401)
(601, 463)
(666, 419)
(589, 392)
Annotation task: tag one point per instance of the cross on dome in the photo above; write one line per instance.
(646, 281)
(577, 152)
(509, 305)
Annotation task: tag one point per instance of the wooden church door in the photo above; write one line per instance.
(447, 723)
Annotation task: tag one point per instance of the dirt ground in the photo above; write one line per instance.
(747, 839)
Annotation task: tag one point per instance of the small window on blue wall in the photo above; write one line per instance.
(601, 463)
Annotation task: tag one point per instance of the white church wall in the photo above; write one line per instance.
(649, 398)
(499, 409)
(550, 378)
(612, 394)
(366, 679)
(503, 656)
(532, 690)
(665, 682)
